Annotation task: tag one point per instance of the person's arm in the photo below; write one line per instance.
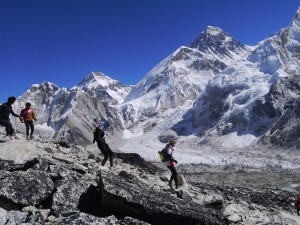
(170, 155)
(14, 114)
(33, 116)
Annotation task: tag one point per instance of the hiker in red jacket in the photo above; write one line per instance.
(170, 162)
(297, 204)
(28, 116)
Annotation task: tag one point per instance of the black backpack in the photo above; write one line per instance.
(99, 134)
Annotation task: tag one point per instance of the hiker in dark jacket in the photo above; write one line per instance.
(99, 137)
(5, 111)
(171, 163)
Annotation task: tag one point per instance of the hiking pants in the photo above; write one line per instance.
(8, 127)
(173, 176)
(29, 124)
(106, 151)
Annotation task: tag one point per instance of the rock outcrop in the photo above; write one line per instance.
(45, 183)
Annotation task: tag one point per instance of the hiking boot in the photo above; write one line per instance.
(170, 185)
(31, 136)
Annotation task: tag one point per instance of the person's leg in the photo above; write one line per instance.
(102, 149)
(104, 160)
(27, 129)
(31, 128)
(8, 127)
(298, 211)
(110, 154)
(174, 175)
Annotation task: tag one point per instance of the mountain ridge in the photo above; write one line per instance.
(212, 89)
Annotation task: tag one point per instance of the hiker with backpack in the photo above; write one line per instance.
(5, 111)
(167, 157)
(27, 116)
(297, 204)
(99, 137)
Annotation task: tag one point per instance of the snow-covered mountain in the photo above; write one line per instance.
(215, 91)
(181, 77)
(255, 97)
(102, 87)
(70, 114)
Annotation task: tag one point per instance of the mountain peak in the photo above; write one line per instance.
(215, 40)
(214, 31)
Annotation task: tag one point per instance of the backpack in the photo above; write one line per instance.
(163, 154)
(99, 134)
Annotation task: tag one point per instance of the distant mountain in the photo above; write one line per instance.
(180, 78)
(216, 91)
(70, 114)
(255, 97)
(103, 87)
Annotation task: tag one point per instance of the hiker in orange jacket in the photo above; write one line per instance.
(27, 115)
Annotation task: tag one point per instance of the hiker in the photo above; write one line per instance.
(170, 162)
(297, 204)
(99, 137)
(5, 111)
(27, 116)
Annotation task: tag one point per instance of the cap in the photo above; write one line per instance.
(172, 142)
(11, 99)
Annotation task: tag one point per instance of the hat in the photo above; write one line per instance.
(28, 104)
(11, 99)
(172, 142)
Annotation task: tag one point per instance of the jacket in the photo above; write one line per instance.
(297, 202)
(99, 135)
(27, 114)
(169, 156)
(5, 111)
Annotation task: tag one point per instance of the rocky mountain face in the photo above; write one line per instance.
(46, 183)
(71, 114)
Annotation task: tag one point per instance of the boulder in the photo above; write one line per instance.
(26, 187)
(141, 201)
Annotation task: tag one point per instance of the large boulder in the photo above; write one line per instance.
(25, 187)
(139, 200)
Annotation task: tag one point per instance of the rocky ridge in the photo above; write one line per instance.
(45, 183)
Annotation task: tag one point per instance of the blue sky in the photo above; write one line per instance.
(62, 41)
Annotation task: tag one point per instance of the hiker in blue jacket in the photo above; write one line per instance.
(5, 111)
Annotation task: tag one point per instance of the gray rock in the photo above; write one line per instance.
(131, 221)
(85, 219)
(26, 187)
(69, 190)
(143, 202)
